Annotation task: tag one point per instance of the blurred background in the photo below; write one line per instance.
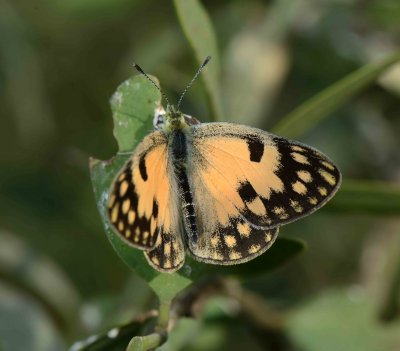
(61, 60)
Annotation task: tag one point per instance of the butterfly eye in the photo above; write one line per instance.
(158, 120)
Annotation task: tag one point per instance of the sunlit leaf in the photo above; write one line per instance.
(133, 106)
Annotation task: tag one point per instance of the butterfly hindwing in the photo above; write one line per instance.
(168, 254)
(244, 172)
(236, 242)
(142, 204)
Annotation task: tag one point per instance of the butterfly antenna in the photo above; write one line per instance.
(140, 70)
(208, 58)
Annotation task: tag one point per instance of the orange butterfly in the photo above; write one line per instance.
(218, 191)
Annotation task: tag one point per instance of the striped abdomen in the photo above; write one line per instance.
(178, 148)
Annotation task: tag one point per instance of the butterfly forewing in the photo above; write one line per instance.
(265, 179)
(141, 206)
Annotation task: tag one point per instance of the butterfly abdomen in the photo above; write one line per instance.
(178, 147)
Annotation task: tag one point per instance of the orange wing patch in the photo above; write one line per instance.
(265, 179)
(142, 208)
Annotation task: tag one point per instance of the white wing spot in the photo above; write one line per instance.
(230, 240)
(217, 256)
(122, 176)
(312, 200)
(111, 201)
(234, 255)
(131, 217)
(296, 206)
(167, 263)
(145, 236)
(254, 248)
(299, 188)
(214, 241)
(300, 158)
(330, 179)
(297, 148)
(123, 188)
(328, 165)
(114, 214)
(244, 229)
(125, 206)
(322, 191)
(304, 176)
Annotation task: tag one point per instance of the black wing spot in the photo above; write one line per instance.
(142, 168)
(256, 149)
(155, 209)
(247, 192)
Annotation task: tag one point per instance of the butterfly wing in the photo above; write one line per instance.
(245, 177)
(142, 205)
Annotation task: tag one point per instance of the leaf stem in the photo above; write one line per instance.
(143, 343)
(163, 315)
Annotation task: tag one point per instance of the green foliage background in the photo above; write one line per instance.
(274, 65)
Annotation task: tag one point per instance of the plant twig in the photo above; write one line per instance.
(163, 315)
(143, 343)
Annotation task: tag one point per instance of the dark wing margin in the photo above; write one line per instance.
(238, 242)
(310, 180)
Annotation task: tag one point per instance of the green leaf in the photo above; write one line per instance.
(321, 105)
(143, 343)
(374, 197)
(133, 106)
(199, 31)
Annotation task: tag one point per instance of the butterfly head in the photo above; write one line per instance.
(174, 119)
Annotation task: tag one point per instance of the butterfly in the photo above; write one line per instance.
(217, 191)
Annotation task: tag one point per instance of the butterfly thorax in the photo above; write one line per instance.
(174, 120)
